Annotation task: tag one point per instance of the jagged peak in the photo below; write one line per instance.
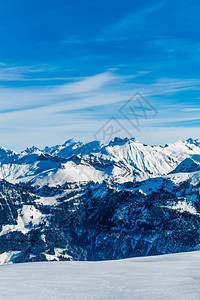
(189, 164)
(117, 141)
(192, 141)
(32, 149)
(94, 144)
(71, 142)
(4, 152)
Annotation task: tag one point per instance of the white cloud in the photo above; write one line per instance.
(44, 114)
(25, 73)
(89, 84)
(132, 22)
(194, 109)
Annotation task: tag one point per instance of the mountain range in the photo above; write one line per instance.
(89, 201)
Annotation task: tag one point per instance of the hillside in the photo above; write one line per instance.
(99, 202)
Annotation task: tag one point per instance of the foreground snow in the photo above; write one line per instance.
(174, 276)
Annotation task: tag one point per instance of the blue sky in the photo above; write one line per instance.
(67, 67)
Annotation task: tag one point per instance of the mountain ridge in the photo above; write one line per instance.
(96, 202)
(122, 159)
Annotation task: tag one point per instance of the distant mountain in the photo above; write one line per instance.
(122, 160)
(92, 201)
(194, 142)
(188, 165)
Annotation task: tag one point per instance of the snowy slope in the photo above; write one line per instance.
(188, 165)
(122, 160)
(97, 202)
(174, 276)
(96, 221)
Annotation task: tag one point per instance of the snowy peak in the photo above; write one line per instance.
(118, 141)
(71, 142)
(122, 160)
(31, 150)
(94, 202)
(6, 154)
(64, 150)
(195, 142)
(188, 165)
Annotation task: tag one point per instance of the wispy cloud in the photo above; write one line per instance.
(29, 73)
(100, 89)
(64, 107)
(27, 97)
(132, 22)
(194, 109)
(119, 31)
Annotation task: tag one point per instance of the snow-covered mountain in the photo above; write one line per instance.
(122, 160)
(92, 201)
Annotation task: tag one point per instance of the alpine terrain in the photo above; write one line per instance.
(92, 201)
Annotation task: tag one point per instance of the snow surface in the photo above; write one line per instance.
(123, 160)
(173, 276)
(28, 217)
